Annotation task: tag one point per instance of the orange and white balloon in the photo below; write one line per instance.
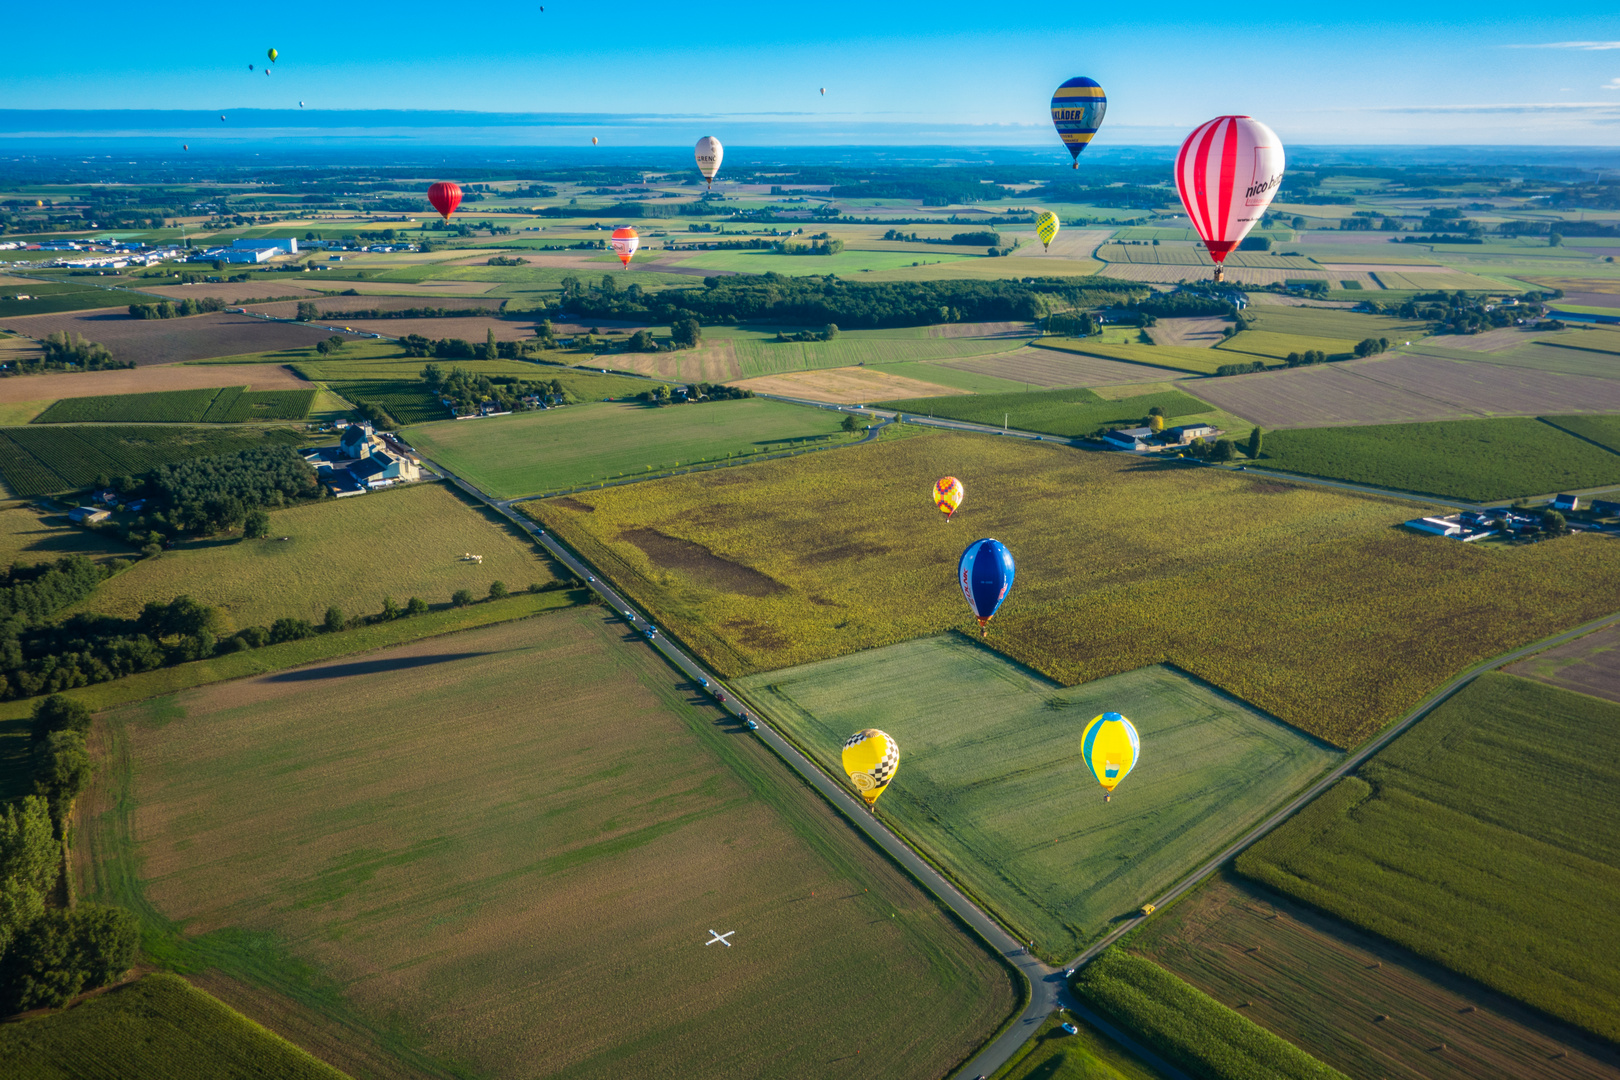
(1228, 171)
(625, 241)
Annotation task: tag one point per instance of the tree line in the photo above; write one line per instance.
(168, 310)
(309, 312)
(64, 352)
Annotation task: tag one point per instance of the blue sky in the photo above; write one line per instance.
(943, 72)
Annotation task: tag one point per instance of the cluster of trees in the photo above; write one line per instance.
(826, 333)
(1371, 346)
(1458, 313)
(63, 352)
(827, 246)
(333, 344)
(1367, 221)
(49, 953)
(460, 349)
(1443, 238)
(817, 300)
(1073, 323)
(1241, 369)
(1119, 197)
(504, 260)
(166, 310)
(1178, 305)
(467, 391)
(660, 395)
(980, 238)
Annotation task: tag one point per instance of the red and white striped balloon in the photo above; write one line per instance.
(1227, 172)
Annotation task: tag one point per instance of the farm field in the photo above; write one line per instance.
(1070, 413)
(958, 378)
(489, 882)
(54, 297)
(228, 405)
(472, 328)
(28, 536)
(1169, 274)
(848, 261)
(1052, 367)
(336, 306)
(54, 386)
(1333, 323)
(1272, 346)
(993, 790)
(1603, 430)
(170, 341)
(1193, 333)
(1587, 665)
(159, 1025)
(1323, 986)
(1053, 1054)
(1548, 356)
(233, 292)
(508, 456)
(839, 385)
(1404, 388)
(1479, 460)
(792, 561)
(1187, 1026)
(39, 460)
(404, 542)
(1429, 845)
(1194, 361)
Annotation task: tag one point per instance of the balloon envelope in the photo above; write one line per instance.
(1110, 747)
(709, 153)
(1077, 112)
(445, 197)
(985, 574)
(948, 495)
(625, 241)
(1046, 227)
(871, 758)
(272, 54)
(593, 140)
(1227, 172)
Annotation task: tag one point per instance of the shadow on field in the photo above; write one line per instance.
(370, 667)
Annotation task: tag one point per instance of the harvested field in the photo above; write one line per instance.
(415, 289)
(1241, 275)
(1307, 602)
(1330, 323)
(1588, 665)
(1266, 299)
(497, 854)
(1053, 368)
(1492, 341)
(1191, 333)
(231, 293)
(714, 362)
(28, 536)
(1072, 413)
(1193, 254)
(1068, 244)
(992, 787)
(1414, 279)
(1323, 985)
(845, 385)
(56, 385)
(1405, 388)
(1437, 844)
(984, 330)
(415, 538)
(171, 341)
(288, 309)
(471, 329)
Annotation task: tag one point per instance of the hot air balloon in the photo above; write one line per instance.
(222, 119)
(625, 242)
(1110, 747)
(1077, 112)
(1046, 227)
(272, 54)
(948, 495)
(985, 574)
(709, 153)
(300, 104)
(871, 757)
(185, 146)
(1227, 172)
(823, 91)
(593, 140)
(445, 197)
(250, 67)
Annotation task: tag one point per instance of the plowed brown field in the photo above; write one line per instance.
(1589, 665)
(54, 385)
(171, 341)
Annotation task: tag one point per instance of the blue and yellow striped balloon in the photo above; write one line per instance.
(1110, 747)
(1077, 113)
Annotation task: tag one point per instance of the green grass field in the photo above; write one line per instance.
(845, 262)
(1307, 602)
(159, 1025)
(1271, 346)
(1487, 839)
(28, 537)
(1603, 430)
(350, 553)
(496, 855)
(1482, 460)
(1333, 323)
(1070, 413)
(560, 448)
(1189, 1027)
(1175, 357)
(1053, 1054)
(992, 787)
(944, 375)
(48, 299)
(40, 460)
(229, 405)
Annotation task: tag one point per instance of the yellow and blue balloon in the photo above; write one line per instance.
(1110, 747)
(1077, 112)
(1046, 227)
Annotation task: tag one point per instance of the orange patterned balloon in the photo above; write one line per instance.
(948, 495)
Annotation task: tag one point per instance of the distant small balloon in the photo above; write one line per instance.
(222, 119)
(250, 67)
(272, 54)
(300, 104)
(948, 495)
(625, 241)
(445, 197)
(1046, 227)
(186, 146)
(709, 153)
(593, 140)
(823, 91)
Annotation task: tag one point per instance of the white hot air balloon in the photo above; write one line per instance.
(709, 153)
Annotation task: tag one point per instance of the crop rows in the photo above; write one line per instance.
(222, 404)
(756, 358)
(1188, 1026)
(162, 407)
(1274, 346)
(1487, 839)
(1069, 413)
(42, 460)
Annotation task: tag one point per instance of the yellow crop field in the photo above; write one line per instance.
(1309, 603)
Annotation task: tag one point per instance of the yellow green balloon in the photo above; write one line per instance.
(1110, 747)
(272, 54)
(1046, 227)
(871, 758)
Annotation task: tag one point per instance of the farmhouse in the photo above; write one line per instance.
(1135, 438)
(1566, 502)
(88, 515)
(1142, 439)
(363, 461)
(1467, 526)
(1186, 433)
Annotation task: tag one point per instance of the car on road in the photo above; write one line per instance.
(703, 682)
(651, 632)
(1070, 1029)
(590, 579)
(1039, 439)
(630, 616)
(1068, 973)
(751, 725)
(720, 696)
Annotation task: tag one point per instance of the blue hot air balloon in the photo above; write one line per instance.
(1077, 112)
(985, 574)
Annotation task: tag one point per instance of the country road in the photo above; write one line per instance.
(1048, 988)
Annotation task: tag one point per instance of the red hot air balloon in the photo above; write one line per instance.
(445, 197)
(1227, 172)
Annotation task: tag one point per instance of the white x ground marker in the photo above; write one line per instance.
(721, 938)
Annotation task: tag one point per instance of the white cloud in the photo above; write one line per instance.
(1612, 84)
(1588, 46)
(1603, 108)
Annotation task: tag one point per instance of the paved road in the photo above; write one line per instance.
(1048, 985)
